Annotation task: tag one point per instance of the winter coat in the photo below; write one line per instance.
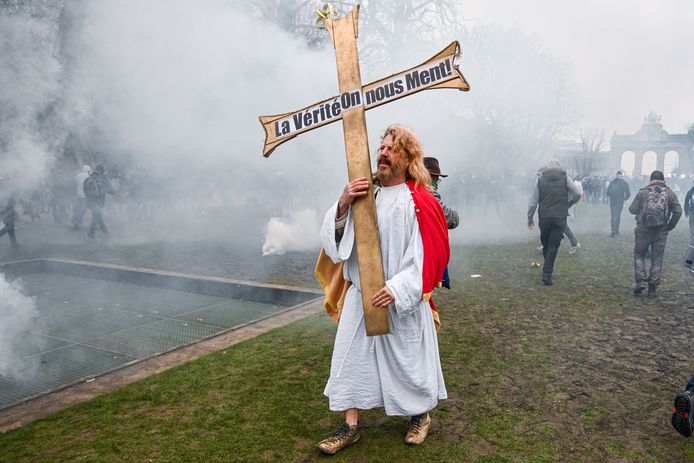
(674, 208)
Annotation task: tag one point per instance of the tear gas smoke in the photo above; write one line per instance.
(298, 232)
(18, 318)
(29, 82)
(168, 93)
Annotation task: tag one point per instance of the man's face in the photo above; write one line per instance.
(391, 166)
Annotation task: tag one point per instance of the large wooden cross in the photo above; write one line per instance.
(440, 71)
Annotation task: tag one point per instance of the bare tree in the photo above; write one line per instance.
(522, 98)
(385, 27)
(411, 25)
(591, 141)
(297, 17)
(45, 11)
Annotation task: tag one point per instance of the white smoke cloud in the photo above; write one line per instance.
(29, 83)
(174, 88)
(297, 232)
(18, 317)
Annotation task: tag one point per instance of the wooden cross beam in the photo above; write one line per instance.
(440, 71)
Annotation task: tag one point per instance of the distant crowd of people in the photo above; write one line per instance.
(657, 210)
(69, 197)
(87, 192)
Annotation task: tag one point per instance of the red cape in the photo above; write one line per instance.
(434, 231)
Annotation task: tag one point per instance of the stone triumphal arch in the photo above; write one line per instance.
(653, 148)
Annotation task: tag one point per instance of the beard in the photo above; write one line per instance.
(388, 171)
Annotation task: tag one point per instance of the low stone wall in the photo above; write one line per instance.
(210, 286)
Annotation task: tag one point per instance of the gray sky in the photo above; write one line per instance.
(630, 56)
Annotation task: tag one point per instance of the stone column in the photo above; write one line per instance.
(660, 161)
(638, 164)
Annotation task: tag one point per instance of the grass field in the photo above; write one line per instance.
(580, 371)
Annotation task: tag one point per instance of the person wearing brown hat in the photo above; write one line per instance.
(432, 165)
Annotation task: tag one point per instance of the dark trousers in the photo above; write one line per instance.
(616, 215)
(9, 229)
(656, 239)
(97, 221)
(551, 234)
(79, 208)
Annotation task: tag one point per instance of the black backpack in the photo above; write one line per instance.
(91, 188)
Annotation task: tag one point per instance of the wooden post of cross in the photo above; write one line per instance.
(440, 71)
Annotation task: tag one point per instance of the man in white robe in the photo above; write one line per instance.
(401, 371)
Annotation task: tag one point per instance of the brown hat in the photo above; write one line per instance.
(432, 165)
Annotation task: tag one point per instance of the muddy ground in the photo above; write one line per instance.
(582, 367)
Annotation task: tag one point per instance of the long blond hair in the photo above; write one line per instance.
(405, 140)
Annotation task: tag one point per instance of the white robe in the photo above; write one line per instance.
(400, 371)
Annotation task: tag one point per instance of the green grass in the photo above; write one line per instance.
(580, 371)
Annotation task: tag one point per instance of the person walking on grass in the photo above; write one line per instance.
(554, 193)
(657, 211)
(617, 192)
(401, 371)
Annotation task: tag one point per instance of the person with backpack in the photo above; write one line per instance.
(95, 187)
(657, 211)
(617, 192)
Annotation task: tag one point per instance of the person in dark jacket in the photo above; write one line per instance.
(96, 186)
(617, 192)
(689, 212)
(79, 201)
(9, 216)
(550, 198)
(651, 230)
